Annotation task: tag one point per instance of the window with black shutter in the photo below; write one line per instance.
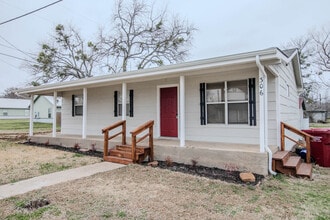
(77, 105)
(129, 104)
(228, 102)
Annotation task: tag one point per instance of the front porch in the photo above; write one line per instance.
(243, 157)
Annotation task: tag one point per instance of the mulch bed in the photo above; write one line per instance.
(88, 152)
(231, 176)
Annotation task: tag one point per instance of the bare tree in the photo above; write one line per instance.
(11, 94)
(314, 51)
(321, 42)
(66, 57)
(142, 38)
(303, 45)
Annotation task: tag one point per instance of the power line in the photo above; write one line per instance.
(15, 48)
(31, 12)
(7, 46)
(9, 64)
(18, 58)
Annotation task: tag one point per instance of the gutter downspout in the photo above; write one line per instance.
(264, 123)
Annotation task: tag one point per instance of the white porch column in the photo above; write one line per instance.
(84, 122)
(182, 115)
(54, 113)
(31, 115)
(265, 112)
(123, 101)
(261, 111)
(263, 107)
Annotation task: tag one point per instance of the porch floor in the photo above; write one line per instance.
(211, 154)
(169, 142)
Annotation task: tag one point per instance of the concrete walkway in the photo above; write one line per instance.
(38, 182)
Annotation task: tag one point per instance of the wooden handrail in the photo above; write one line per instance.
(106, 131)
(306, 136)
(148, 125)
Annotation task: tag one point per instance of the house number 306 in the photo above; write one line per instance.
(261, 86)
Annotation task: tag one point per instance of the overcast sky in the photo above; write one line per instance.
(224, 27)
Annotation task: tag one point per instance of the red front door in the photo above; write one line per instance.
(168, 112)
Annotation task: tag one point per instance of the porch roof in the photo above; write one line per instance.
(223, 63)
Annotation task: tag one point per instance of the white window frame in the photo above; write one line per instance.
(119, 103)
(226, 102)
(80, 105)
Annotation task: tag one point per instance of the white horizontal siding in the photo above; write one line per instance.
(41, 107)
(69, 124)
(100, 111)
(100, 108)
(244, 134)
(288, 99)
(272, 112)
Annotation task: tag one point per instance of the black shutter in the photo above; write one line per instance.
(73, 96)
(252, 102)
(131, 103)
(202, 103)
(115, 103)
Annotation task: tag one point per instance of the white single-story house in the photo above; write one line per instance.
(218, 111)
(43, 108)
(316, 116)
(14, 108)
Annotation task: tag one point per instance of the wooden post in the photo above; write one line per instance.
(106, 142)
(308, 147)
(151, 144)
(133, 147)
(282, 137)
(123, 136)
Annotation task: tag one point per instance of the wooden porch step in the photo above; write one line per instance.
(128, 148)
(292, 162)
(281, 155)
(120, 160)
(305, 170)
(124, 154)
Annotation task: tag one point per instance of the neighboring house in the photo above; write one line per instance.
(229, 103)
(43, 108)
(14, 108)
(316, 116)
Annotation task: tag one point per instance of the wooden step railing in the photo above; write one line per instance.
(106, 132)
(307, 138)
(146, 126)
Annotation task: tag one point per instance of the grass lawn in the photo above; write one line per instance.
(18, 161)
(22, 125)
(320, 125)
(138, 192)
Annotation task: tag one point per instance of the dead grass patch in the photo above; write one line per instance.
(138, 192)
(19, 161)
